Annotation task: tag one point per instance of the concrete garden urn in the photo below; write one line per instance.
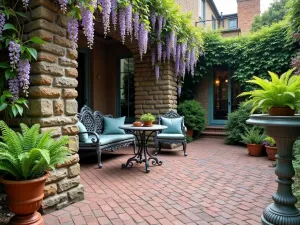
(285, 130)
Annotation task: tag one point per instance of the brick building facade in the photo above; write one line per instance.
(247, 10)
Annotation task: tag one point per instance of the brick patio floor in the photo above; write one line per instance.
(214, 184)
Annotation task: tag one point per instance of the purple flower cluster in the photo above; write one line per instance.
(14, 54)
(179, 90)
(122, 21)
(129, 19)
(159, 51)
(14, 88)
(2, 23)
(160, 25)
(106, 10)
(143, 40)
(136, 25)
(63, 5)
(73, 31)
(153, 56)
(156, 72)
(114, 14)
(88, 24)
(25, 3)
(23, 75)
(153, 20)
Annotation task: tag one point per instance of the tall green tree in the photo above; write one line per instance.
(274, 14)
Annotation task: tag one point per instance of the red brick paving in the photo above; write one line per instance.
(214, 184)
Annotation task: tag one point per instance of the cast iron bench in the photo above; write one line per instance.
(97, 141)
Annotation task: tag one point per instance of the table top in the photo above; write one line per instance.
(153, 128)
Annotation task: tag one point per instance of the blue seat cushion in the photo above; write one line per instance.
(111, 125)
(110, 138)
(171, 136)
(82, 137)
(174, 125)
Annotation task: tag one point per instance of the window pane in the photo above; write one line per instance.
(232, 23)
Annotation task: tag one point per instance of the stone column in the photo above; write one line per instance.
(52, 95)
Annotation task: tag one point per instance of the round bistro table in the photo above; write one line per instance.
(142, 154)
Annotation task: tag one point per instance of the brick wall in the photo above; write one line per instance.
(189, 6)
(247, 10)
(203, 95)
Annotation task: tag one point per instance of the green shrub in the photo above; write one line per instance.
(296, 162)
(253, 136)
(194, 115)
(236, 124)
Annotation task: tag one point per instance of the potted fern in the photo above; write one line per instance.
(280, 96)
(25, 159)
(254, 140)
(148, 119)
(271, 148)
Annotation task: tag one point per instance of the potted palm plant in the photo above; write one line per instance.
(271, 148)
(147, 119)
(280, 96)
(25, 159)
(254, 140)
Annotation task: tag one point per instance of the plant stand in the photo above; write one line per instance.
(285, 130)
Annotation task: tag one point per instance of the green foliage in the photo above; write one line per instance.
(254, 54)
(148, 117)
(281, 91)
(296, 163)
(253, 136)
(270, 142)
(293, 16)
(274, 14)
(28, 155)
(194, 115)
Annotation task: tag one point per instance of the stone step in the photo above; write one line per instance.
(214, 132)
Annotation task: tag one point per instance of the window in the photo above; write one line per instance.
(214, 25)
(232, 23)
(203, 16)
(126, 89)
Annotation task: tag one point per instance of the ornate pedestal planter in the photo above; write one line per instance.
(285, 130)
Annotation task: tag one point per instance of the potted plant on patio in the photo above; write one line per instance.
(25, 159)
(147, 119)
(271, 148)
(254, 140)
(194, 116)
(280, 96)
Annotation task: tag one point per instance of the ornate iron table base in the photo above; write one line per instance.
(142, 154)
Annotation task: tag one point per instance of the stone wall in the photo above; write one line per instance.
(52, 95)
(247, 10)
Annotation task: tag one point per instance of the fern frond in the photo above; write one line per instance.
(30, 137)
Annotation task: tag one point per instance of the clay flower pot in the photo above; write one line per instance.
(24, 198)
(281, 111)
(137, 124)
(148, 123)
(271, 151)
(255, 150)
(190, 132)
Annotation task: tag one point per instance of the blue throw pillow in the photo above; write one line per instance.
(111, 125)
(174, 125)
(82, 137)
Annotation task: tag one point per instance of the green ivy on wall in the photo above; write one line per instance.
(269, 49)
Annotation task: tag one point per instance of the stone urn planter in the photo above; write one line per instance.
(285, 130)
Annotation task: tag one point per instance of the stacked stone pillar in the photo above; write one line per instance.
(52, 95)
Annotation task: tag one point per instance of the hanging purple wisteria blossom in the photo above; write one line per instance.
(2, 23)
(122, 21)
(177, 62)
(153, 54)
(183, 49)
(88, 24)
(160, 24)
(114, 13)
(129, 19)
(14, 53)
(136, 25)
(62, 3)
(182, 68)
(159, 51)
(25, 3)
(73, 31)
(164, 21)
(23, 75)
(156, 72)
(14, 88)
(168, 47)
(188, 59)
(193, 60)
(153, 20)
(106, 10)
(143, 40)
(179, 90)
(164, 53)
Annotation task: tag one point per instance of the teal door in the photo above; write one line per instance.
(223, 99)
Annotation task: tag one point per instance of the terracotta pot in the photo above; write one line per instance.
(137, 124)
(255, 150)
(281, 111)
(148, 123)
(190, 132)
(24, 198)
(271, 151)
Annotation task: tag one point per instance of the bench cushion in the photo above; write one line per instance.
(173, 124)
(111, 125)
(111, 138)
(82, 137)
(171, 136)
